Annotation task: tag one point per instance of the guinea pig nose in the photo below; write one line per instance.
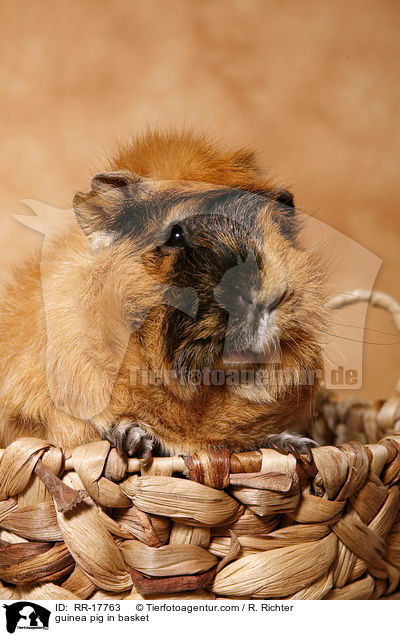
(247, 301)
(260, 308)
(266, 307)
(272, 302)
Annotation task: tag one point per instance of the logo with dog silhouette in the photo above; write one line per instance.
(26, 615)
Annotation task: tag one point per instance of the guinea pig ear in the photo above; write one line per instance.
(103, 181)
(286, 215)
(95, 210)
(286, 198)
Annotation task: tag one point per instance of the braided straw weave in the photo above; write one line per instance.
(214, 525)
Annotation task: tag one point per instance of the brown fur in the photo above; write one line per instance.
(65, 369)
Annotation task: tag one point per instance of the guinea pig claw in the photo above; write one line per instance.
(131, 439)
(294, 443)
(147, 459)
(294, 451)
(276, 447)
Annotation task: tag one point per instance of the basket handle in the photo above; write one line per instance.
(375, 298)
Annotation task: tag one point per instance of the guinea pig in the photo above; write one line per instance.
(178, 308)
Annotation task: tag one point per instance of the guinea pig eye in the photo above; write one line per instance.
(176, 237)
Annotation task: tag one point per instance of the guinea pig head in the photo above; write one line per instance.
(207, 276)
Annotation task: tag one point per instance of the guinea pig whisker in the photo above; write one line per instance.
(335, 335)
(343, 324)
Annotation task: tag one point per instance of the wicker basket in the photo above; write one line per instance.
(214, 525)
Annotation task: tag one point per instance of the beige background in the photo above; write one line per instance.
(312, 84)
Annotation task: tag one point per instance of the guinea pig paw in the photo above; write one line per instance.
(131, 439)
(291, 443)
